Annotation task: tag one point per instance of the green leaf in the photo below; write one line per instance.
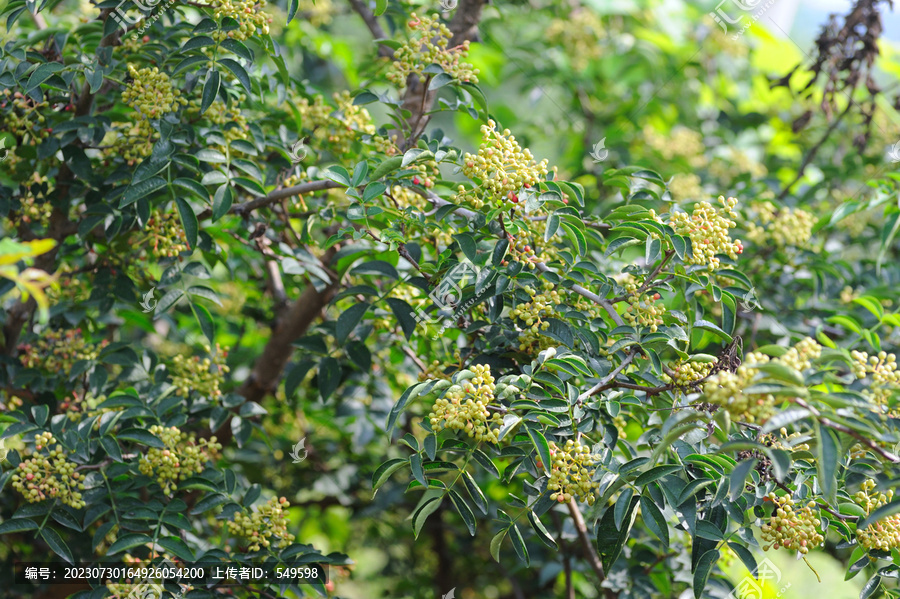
(542, 532)
(474, 491)
(128, 541)
(518, 544)
(701, 573)
(384, 472)
(222, 201)
(389, 165)
(59, 547)
(17, 525)
(348, 320)
(238, 71)
(781, 372)
(496, 542)
(464, 510)
(542, 447)
(826, 452)
(232, 45)
(205, 320)
(871, 304)
(738, 478)
(40, 413)
(42, 73)
(188, 221)
(656, 473)
(870, 587)
(140, 436)
(415, 464)
(404, 313)
(329, 376)
(193, 187)
(425, 510)
(654, 519)
(177, 547)
(210, 90)
(623, 503)
(380, 7)
(610, 539)
(139, 190)
(713, 328)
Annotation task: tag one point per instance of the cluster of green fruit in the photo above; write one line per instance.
(167, 235)
(182, 457)
(780, 226)
(885, 376)
(203, 376)
(684, 374)
(58, 351)
(429, 46)
(503, 168)
(464, 406)
(249, 13)
(726, 388)
(708, 228)
(49, 476)
(797, 529)
(151, 93)
(572, 473)
(263, 525)
(642, 309)
(885, 533)
(338, 128)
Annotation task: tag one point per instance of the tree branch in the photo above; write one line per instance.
(589, 551)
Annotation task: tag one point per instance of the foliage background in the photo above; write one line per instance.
(658, 81)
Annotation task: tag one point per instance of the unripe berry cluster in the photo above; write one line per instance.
(248, 13)
(578, 36)
(32, 211)
(151, 93)
(685, 186)
(182, 457)
(229, 118)
(681, 142)
(780, 226)
(541, 305)
(503, 167)
(885, 376)
(784, 442)
(167, 235)
(30, 121)
(685, 374)
(464, 406)
(49, 476)
(340, 130)
(726, 388)
(792, 528)
(264, 525)
(885, 533)
(427, 46)
(708, 229)
(57, 351)
(734, 164)
(571, 473)
(642, 310)
(203, 376)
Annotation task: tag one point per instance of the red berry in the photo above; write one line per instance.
(416, 180)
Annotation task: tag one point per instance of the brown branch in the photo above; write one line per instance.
(291, 326)
(608, 379)
(374, 26)
(590, 553)
(849, 431)
(813, 151)
(276, 196)
(648, 282)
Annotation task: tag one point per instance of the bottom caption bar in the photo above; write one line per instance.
(200, 573)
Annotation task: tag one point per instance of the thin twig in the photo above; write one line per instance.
(813, 151)
(590, 552)
(608, 378)
(847, 430)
